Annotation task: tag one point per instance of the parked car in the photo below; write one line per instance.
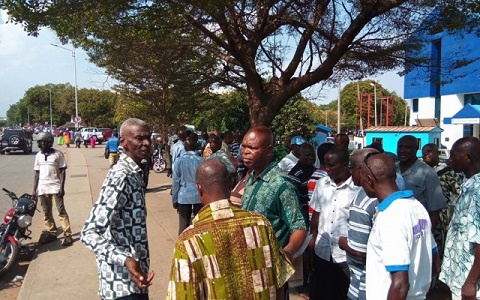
(444, 155)
(16, 140)
(96, 132)
(106, 132)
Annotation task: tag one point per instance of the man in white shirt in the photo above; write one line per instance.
(331, 201)
(291, 159)
(401, 247)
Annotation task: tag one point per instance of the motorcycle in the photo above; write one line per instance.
(15, 228)
(159, 163)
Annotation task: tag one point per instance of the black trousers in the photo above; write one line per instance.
(329, 280)
(185, 215)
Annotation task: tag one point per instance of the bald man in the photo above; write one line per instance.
(420, 178)
(461, 260)
(244, 261)
(401, 247)
(270, 193)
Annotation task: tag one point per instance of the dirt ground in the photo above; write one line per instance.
(11, 282)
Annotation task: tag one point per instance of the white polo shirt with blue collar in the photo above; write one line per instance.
(401, 240)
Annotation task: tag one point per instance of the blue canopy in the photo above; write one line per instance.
(469, 114)
(323, 128)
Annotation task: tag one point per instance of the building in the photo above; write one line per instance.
(451, 81)
(389, 136)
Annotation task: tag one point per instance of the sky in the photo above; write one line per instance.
(27, 61)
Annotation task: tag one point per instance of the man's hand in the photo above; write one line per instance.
(175, 205)
(342, 242)
(141, 279)
(469, 290)
(61, 193)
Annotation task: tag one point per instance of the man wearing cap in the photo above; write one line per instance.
(289, 161)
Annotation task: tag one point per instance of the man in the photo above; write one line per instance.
(401, 244)
(49, 185)
(321, 171)
(450, 183)
(178, 148)
(342, 140)
(116, 228)
(112, 146)
(270, 193)
(244, 258)
(86, 138)
(330, 201)
(301, 173)
(461, 261)
(420, 178)
(77, 137)
(185, 195)
(289, 161)
(360, 221)
(220, 154)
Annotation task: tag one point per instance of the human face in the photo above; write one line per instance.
(307, 157)
(335, 168)
(136, 142)
(43, 145)
(214, 146)
(356, 172)
(407, 150)
(458, 159)
(430, 155)
(256, 151)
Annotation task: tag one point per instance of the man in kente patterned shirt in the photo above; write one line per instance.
(227, 253)
(116, 230)
(461, 260)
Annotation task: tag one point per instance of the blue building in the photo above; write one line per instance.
(389, 136)
(443, 89)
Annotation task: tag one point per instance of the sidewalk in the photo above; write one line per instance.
(58, 272)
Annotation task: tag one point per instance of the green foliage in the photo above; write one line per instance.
(296, 117)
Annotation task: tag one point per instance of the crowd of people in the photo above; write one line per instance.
(364, 225)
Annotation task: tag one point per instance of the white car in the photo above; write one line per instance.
(94, 131)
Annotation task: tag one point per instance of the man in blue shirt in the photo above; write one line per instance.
(112, 146)
(184, 192)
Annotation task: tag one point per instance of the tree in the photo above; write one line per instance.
(272, 50)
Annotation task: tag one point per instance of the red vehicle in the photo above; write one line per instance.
(106, 132)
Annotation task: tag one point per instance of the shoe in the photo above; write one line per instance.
(67, 241)
(48, 238)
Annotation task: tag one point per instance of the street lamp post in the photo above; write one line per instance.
(375, 100)
(76, 89)
(51, 116)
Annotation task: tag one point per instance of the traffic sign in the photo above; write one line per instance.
(77, 119)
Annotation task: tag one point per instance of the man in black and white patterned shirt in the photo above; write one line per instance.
(116, 228)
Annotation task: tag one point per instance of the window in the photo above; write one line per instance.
(415, 105)
(473, 99)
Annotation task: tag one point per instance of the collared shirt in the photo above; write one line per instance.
(227, 253)
(273, 195)
(401, 240)
(184, 189)
(112, 144)
(463, 237)
(360, 222)
(333, 203)
(424, 182)
(48, 166)
(178, 150)
(117, 229)
(301, 174)
(224, 157)
(312, 183)
(288, 162)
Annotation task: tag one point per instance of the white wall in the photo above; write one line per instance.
(450, 105)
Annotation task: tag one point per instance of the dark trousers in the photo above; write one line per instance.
(185, 215)
(134, 297)
(329, 280)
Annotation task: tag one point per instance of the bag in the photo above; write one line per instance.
(106, 154)
(60, 140)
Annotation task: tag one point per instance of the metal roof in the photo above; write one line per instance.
(402, 129)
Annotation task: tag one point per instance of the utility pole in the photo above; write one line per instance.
(338, 107)
(51, 115)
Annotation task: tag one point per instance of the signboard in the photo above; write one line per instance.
(77, 119)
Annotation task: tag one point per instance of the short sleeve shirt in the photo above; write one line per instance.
(401, 240)
(273, 195)
(49, 165)
(425, 184)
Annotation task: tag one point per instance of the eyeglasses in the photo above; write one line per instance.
(365, 161)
